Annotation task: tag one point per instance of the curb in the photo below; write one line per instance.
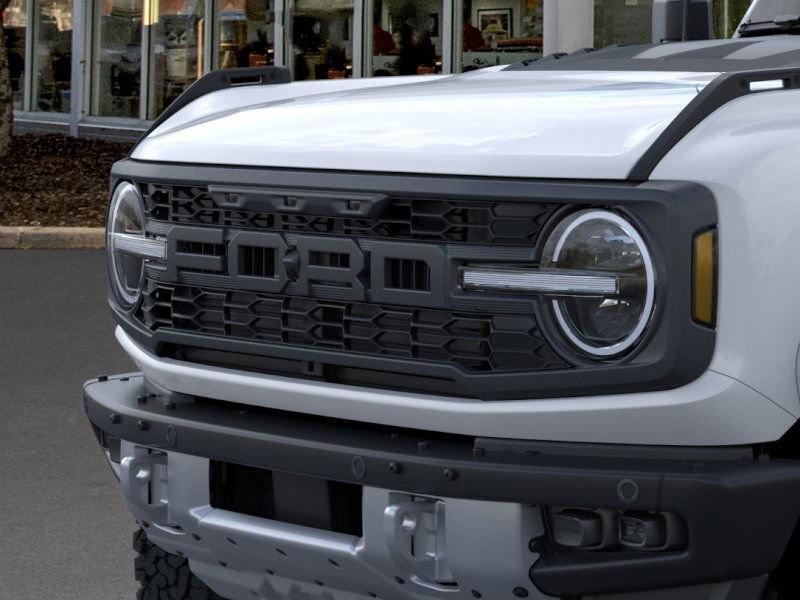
(52, 238)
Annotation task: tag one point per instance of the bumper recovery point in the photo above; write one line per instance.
(267, 504)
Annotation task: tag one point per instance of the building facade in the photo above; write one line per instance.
(100, 67)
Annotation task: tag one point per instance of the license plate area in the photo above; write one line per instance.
(287, 497)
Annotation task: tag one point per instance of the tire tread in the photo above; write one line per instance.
(165, 576)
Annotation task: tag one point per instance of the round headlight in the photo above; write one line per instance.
(125, 224)
(600, 241)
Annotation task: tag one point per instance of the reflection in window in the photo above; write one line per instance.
(500, 33)
(176, 55)
(52, 56)
(727, 16)
(244, 30)
(117, 67)
(14, 24)
(622, 22)
(321, 39)
(406, 37)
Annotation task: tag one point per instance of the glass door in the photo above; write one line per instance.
(244, 33)
(502, 33)
(407, 37)
(15, 25)
(52, 58)
(320, 38)
(117, 65)
(177, 50)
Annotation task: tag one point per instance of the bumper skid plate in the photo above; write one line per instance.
(442, 516)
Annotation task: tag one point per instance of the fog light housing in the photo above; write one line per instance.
(642, 530)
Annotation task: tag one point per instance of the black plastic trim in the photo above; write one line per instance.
(674, 352)
(220, 80)
(740, 512)
(723, 89)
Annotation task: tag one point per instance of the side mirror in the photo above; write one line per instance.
(682, 20)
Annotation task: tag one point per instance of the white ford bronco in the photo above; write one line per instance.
(384, 354)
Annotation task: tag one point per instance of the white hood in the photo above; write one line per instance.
(544, 124)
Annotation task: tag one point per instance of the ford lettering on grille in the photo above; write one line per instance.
(313, 266)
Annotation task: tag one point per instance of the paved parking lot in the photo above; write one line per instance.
(64, 531)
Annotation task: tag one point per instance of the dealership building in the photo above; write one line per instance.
(108, 67)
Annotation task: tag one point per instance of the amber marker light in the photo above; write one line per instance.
(704, 278)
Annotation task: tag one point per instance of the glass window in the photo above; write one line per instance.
(406, 37)
(622, 22)
(15, 22)
(176, 54)
(496, 32)
(52, 56)
(321, 39)
(117, 68)
(727, 16)
(244, 32)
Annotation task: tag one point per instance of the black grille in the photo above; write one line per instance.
(473, 341)
(438, 220)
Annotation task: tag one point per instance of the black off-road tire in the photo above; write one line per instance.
(165, 576)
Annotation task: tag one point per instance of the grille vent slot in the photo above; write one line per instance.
(255, 261)
(408, 274)
(336, 260)
(201, 248)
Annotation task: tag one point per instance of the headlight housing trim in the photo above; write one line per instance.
(127, 245)
(556, 242)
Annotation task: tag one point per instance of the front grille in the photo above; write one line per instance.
(474, 342)
(438, 220)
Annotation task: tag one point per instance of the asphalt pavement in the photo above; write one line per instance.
(65, 533)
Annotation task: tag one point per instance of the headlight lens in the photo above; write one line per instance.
(125, 225)
(593, 241)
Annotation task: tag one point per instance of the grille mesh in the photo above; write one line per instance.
(472, 341)
(438, 220)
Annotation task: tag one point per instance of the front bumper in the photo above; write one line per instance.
(497, 495)
(677, 417)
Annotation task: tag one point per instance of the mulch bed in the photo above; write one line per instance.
(55, 180)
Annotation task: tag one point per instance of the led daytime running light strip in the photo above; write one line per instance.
(539, 281)
(138, 245)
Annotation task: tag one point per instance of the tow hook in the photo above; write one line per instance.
(415, 535)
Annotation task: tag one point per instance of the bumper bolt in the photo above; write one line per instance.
(169, 405)
(358, 467)
(423, 446)
(114, 418)
(395, 467)
(450, 474)
(141, 399)
(536, 546)
(142, 425)
(172, 435)
(628, 491)
(520, 592)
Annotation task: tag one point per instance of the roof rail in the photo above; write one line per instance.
(220, 80)
(723, 89)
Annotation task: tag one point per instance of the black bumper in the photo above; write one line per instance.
(739, 512)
